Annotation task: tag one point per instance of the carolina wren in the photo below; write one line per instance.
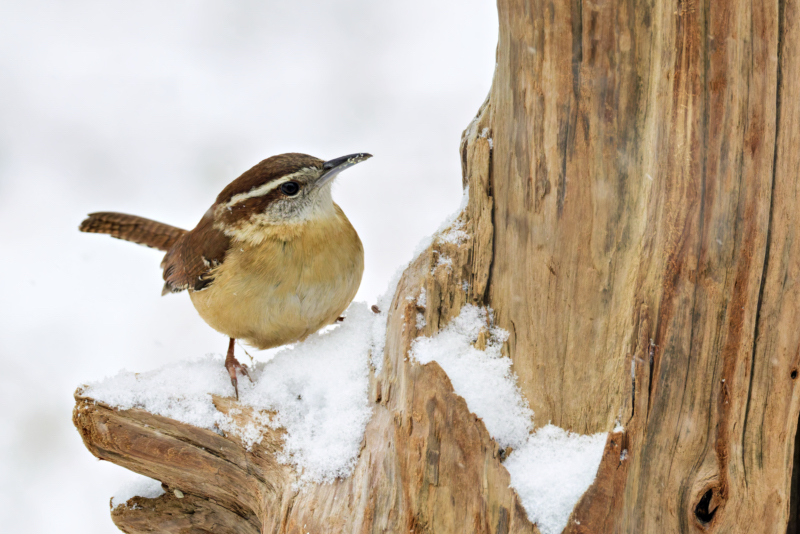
(272, 261)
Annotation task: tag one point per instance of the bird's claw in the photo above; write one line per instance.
(232, 366)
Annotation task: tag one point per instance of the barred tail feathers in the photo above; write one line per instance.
(132, 228)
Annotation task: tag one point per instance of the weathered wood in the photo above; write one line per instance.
(646, 205)
(189, 514)
(634, 201)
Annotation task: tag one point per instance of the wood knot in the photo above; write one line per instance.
(706, 508)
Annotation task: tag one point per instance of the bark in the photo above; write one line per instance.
(633, 180)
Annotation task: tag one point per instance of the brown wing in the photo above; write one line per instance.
(132, 228)
(189, 263)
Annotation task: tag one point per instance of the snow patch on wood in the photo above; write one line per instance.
(483, 377)
(551, 472)
(318, 390)
(137, 486)
(551, 468)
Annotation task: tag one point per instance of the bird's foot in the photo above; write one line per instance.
(233, 365)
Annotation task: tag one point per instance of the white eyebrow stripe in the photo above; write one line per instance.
(262, 190)
(259, 191)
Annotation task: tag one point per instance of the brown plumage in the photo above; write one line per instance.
(188, 263)
(132, 228)
(272, 261)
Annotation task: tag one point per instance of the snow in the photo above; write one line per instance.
(551, 472)
(319, 389)
(551, 468)
(485, 134)
(138, 486)
(421, 303)
(443, 261)
(422, 299)
(483, 377)
(454, 234)
(180, 391)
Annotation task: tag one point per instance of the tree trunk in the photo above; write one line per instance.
(633, 203)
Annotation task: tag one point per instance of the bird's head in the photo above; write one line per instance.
(282, 193)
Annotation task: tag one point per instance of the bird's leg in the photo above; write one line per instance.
(232, 364)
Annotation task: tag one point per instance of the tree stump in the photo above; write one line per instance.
(633, 202)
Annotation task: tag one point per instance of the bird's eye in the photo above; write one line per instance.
(290, 188)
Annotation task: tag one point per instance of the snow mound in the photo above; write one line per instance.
(180, 391)
(551, 472)
(140, 486)
(483, 377)
(319, 389)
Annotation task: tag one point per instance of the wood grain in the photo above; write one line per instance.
(633, 205)
(645, 199)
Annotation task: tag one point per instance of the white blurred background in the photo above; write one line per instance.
(152, 107)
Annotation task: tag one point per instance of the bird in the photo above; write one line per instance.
(272, 261)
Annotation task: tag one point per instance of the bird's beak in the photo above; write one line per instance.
(333, 167)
